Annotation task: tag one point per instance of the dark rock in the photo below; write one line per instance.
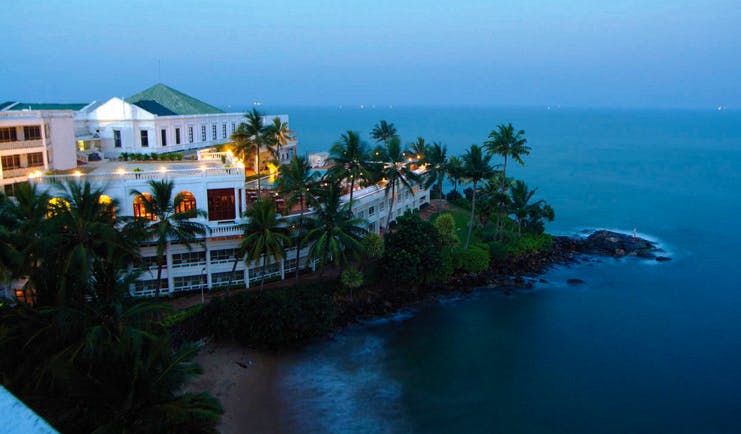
(663, 258)
(575, 281)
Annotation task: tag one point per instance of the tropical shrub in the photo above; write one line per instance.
(412, 254)
(272, 319)
(474, 259)
(373, 245)
(445, 225)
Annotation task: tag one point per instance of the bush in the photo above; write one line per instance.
(513, 246)
(468, 193)
(412, 254)
(453, 194)
(373, 245)
(445, 225)
(352, 278)
(471, 260)
(271, 319)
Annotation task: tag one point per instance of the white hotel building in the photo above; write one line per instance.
(161, 120)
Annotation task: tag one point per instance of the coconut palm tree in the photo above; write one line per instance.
(278, 134)
(475, 168)
(110, 368)
(90, 247)
(294, 181)
(508, 143)
(528, 215)
(335, 236)
(436, 159)
(455, 171)
(167, 223)
(419, 149)
(395, 168)
(383, 132)
(250, 138)
(351, 160)
(264, 235)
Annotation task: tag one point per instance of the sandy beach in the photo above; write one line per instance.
(244, 381)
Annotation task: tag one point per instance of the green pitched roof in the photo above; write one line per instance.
(47, 106)
(162, 100)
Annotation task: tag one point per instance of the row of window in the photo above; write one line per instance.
(9, 134)
(10, 162)
(144, 135)
(220, 203)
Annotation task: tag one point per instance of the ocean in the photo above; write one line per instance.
(640, 347)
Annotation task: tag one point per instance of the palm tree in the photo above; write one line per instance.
(350, 158)
(528, 214)
(335, 236)
(250, 138)
(383, 132)
(279, 134)
(476, 167)
(507, 142)
(436, 159)
(396, 170)
(294, 182)
(419, 149)
(455, 171)
(168, 222)
(90, 248)
(264, 235)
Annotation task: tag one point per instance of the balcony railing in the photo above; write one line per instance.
(235, 172)
(21, 144)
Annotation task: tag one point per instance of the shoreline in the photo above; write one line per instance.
(244, 380)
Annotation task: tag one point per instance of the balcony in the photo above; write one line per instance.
(20, 172)
(21, 144)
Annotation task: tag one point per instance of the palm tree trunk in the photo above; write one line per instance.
(234, 272)
(298, 236)
(352, 187)
(391, 205)
(159, 271)
(264, 268)
(258, 171)
(470, 222)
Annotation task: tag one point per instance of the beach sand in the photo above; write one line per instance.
(244, 381)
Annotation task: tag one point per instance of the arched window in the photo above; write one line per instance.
(140, 211)
(187, 202)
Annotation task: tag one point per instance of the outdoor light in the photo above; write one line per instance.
(203, 168)
(121, 171)
(77, 173)
(163, 169)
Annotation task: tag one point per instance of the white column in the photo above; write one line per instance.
(208, 268)
(247, 274)
(282, 269)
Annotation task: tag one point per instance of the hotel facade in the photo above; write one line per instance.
(160, 120)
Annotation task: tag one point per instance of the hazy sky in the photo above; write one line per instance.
(619, 53)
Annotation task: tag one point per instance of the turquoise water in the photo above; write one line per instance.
(640, 347)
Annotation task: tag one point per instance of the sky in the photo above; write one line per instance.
(572, 53)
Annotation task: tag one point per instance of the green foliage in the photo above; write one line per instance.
(412, 254)
(373, 245)
(181, 316)
(102, 368)
(514, 246)
(445, 225)
(471, 260)
(351, 278)
(272, 319)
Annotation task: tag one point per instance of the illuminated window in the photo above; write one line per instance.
(187, 202)
(221, 204)
(140, 211)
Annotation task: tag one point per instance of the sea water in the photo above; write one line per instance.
(641, 346)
